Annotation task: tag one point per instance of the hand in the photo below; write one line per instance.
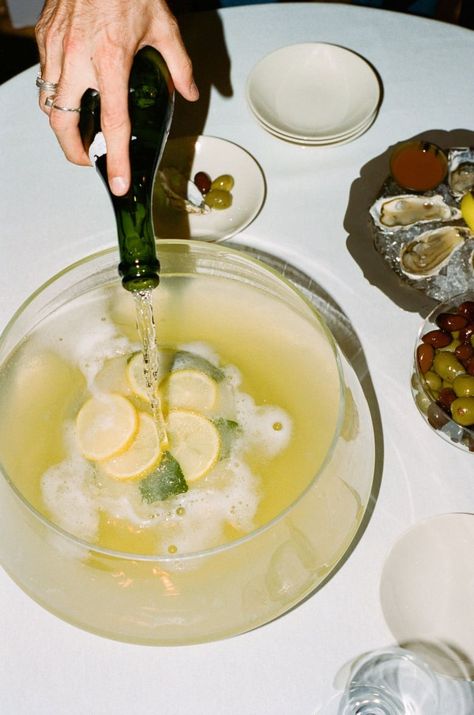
(91, 44)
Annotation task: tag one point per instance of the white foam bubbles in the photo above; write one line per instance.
(268, 427)
(86, 343)
(68, 497)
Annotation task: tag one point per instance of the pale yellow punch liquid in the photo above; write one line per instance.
(47, 381)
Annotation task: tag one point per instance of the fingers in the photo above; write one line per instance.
(113, 71)
(64, 121)
(166, 37)
(76, 76)
(50, 50)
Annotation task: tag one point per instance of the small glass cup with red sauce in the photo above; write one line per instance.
(443, 371)
(418, 166)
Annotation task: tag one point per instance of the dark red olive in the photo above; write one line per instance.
(446, 397)
(437, 338)
(425, 355)
(451, 321)
(467, 309)
(437, 417)
(203, 182)
(464, 352)
(465, 333)
(469, 365)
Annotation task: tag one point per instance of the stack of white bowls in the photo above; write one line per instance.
(314, 93)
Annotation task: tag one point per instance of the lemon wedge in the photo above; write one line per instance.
(106, 425)
(191, 390)
(141, 457)
(467, 209)
(194, 442)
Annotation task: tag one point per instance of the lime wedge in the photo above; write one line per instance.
(194, 442)
(165, 481)
(105, 426)
(141, 457)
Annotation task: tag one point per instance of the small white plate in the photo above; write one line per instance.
(313, 91)
(215, 157)
(343, 139)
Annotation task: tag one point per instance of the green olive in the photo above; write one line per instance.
(453, 345)
(415, 382)
(433, 380)
(462, 410)
(224, 182)
(423, 402)
(463, 385)
(218, 199)
(447, 365)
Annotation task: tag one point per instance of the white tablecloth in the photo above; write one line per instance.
(53, 213)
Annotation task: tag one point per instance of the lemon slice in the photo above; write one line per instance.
(135, 371)
(194, 442)
(191, 390)
(141, 457)
(106, 426)
(136, 376)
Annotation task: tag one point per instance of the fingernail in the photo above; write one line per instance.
(118, 185)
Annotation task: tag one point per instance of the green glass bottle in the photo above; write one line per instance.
(150, 104)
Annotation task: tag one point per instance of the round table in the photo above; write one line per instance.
(314, 217)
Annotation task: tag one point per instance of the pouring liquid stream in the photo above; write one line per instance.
(151, 359)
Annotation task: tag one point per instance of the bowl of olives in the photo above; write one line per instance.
(443, 372)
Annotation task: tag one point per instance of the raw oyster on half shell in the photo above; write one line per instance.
(461, 171)
(394, 212)
(430, 251)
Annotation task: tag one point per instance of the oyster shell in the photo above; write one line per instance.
(430, 251)
(181, 193)
(394, 212)
(461, 171)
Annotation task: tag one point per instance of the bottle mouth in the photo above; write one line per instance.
(138, 278)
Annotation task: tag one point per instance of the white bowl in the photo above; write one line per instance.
(215, 157)
(313, 91)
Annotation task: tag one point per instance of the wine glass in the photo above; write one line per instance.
(391, 681)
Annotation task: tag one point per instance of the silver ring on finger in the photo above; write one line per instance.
(45, 85)
(49, 101)
(65, 109)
